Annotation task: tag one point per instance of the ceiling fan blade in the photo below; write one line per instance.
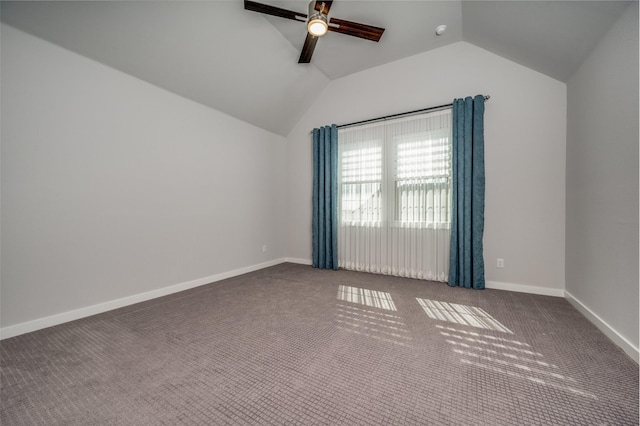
(307, 50)
(275, 11)
(354, 29)
(323, 6)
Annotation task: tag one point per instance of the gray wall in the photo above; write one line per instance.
(602, 180)
(525, 129)
(112, 187)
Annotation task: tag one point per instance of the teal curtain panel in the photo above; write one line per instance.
(466, 261)
(325, 198)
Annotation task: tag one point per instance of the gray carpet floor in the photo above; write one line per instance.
(294, 345)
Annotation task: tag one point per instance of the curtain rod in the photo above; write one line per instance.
(402, 114)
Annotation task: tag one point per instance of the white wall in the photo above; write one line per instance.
(602, 181)
(112, 187)
(525, 142)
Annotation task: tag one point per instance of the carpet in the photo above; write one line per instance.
(295, 345)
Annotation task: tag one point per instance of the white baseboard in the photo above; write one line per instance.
(298, 260)
(522, 288)
(40, 323)
(609, 331)
(496, 285)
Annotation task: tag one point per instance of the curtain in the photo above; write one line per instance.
(325, 198)
(394, 192)
(466, 267)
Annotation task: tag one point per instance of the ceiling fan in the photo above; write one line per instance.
(318, 24)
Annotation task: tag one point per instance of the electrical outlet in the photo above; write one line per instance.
(500, 263)
(264, 248)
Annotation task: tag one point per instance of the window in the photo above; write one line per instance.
(422, 178)
(413, 170)
(394, 188)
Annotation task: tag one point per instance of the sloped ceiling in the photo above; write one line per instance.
(245, 64)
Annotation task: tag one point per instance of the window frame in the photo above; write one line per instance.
(373, 143)
(393, 178)
(389, 207)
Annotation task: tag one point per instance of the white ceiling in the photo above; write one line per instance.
(245, 64)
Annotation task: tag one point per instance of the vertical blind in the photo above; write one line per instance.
(394, 189)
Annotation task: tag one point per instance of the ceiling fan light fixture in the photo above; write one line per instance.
(317, 25)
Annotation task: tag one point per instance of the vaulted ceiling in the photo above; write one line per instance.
(245, 64)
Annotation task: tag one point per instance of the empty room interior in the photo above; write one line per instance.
(186, 237)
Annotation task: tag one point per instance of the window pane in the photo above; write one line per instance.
(422, 178)
(423, 158)
(424, 200)
(361, 165)
(361, 202)
(361, 177)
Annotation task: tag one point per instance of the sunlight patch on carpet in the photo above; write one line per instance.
(461, 314)
(363, 296)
